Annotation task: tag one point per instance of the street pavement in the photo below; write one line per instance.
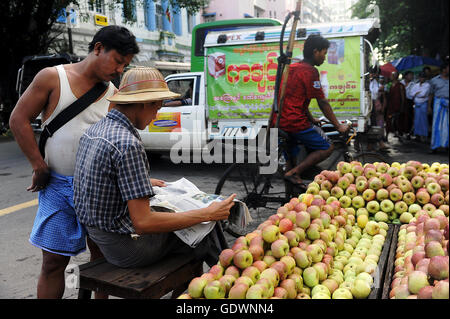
(20, 262)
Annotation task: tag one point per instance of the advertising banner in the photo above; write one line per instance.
(241, 78)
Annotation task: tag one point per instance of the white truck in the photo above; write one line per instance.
(232, 98)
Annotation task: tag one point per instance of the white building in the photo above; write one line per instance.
(340, 10)
(163, 35)
(238, 9)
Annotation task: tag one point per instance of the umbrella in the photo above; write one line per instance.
(416, 63)
(387, 69)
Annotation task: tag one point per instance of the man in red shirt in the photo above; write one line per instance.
(296, 119)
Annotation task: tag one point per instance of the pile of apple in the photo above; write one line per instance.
(308, 249)
(390, 193)
(421, 264)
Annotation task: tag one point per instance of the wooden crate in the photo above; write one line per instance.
(390, 264)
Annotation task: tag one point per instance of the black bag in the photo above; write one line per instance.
(69, 113)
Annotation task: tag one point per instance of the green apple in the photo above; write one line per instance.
(342, 293)
(310, 277)
(360, 289)
(196, 287)
(214, 290)
(387, 205)
(270, 233)
(320, 289)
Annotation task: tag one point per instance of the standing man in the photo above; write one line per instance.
(56, 229)
(407, 115)
(296, 119)
(420, 92)
(396, 98)
(438, 105)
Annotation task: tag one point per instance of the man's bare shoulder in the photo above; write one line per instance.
(47, 77)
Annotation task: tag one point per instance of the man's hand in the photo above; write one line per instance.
(40, 179)
(221, 210)
(157, 182)
(342, 128)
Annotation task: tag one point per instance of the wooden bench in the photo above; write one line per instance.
(171, 274)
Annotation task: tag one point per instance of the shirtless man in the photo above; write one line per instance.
(57, 231)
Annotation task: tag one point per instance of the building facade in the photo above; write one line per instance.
(237, 9)
(162, 32)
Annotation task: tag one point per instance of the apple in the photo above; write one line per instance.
(261, 265)
(232, 270)
(326, 186)
(360, 289)
(369, 172)
(372, 228)
(314, 211)
(313, 231)
(425, 292)
(310, 277)
(226, 257)
(214, 290)
(322, 270)
(386, 205)
(423, 197)
(257, 292)
(272, 275)
(217, 271)
(290, 287)
(440, 290)
(434, 248)
(196, 286)
(303, 259)
(400, 207)
(409, 198)
(373, 206)
(375, 183)
(345, 201)
(396, 194)
(431, 223)
(290, 263)
(227, 281)
(243, 259)
(381, 194)
(238, 291)
(357, 170)
(361, 185)
(271, 233)
(344, 167)
(252, 272)
(303, 219)
(342, 293)
(438, 267)
(315, 252)
(281, 268)
(291, 215)
(406, 217)
(386, 179)
(437, 199)
(433, 188)
(416, 281)
(336, 192)
(369, 195)
(285, 225)
(351, 191)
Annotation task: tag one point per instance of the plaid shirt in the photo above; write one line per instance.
(111, 168)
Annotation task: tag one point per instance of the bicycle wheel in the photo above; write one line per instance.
(256, 190)
(369, 157)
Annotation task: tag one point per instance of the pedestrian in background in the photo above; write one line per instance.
(56, 230)
(420, 92)
(380, 109)
(395, 105)
(438, 104)
(407, 116)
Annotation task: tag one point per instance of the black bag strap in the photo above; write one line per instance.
(69, 113)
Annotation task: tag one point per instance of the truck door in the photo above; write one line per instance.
(179, 122)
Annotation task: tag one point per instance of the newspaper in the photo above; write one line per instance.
(182, 195)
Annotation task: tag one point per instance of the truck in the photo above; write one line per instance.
(231, 98)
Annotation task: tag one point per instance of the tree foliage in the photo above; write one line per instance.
(417, 27)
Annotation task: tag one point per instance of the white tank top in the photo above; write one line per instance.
(61, 148)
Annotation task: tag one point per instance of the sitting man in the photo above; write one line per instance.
(296, 119)
(112, 183)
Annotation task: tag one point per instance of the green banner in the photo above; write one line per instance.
(241, 79)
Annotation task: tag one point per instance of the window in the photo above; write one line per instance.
(129, 10)
(183, 87)
(159, 16)
(97, 6)
(191, 21)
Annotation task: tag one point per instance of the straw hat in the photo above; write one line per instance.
(142, 84)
